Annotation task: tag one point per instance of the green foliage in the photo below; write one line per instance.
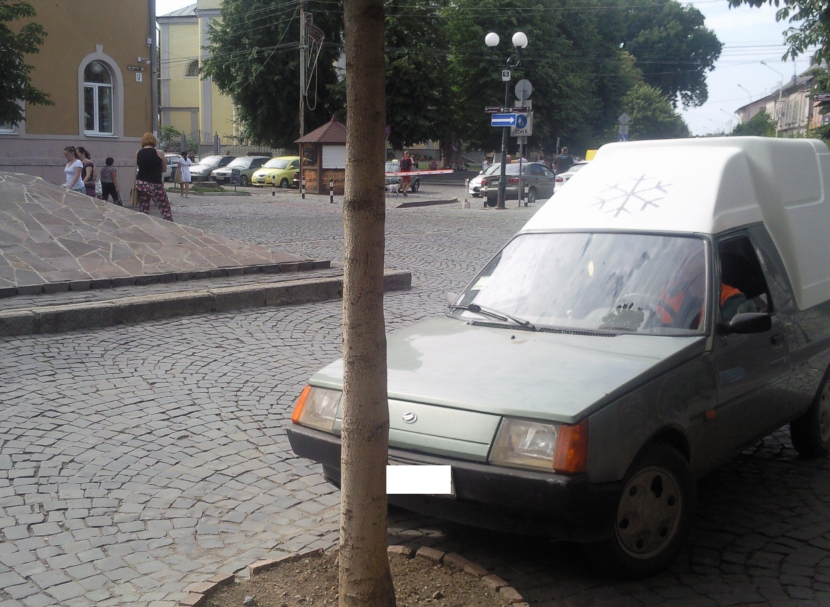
(761, 125)
(810, 20)
(652, 115)
(15, 82)
(672, 47)
(255, 59)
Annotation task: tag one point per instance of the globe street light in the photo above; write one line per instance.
(778, 105)
(519, 41)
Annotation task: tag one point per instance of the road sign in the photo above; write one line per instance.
(523, 106)
(624, 131)
(496, 109)
(624, 119)
(505, 75)
(503, 120)
(523, 89)
(522, 140)
(524, 125)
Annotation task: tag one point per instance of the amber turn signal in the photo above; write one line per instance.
(572, 449)
(298, 408)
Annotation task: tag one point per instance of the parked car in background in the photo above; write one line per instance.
(538, 179)
(563, 178)
(246, 165)
(649, 323)
(393, 166)
(474, 187)
(172, 165)
(280, 170)
(202, 170)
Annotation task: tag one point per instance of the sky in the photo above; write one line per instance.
(749, 36)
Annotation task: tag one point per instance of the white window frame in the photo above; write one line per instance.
(96, 112)
(117, 93)
(187, 68)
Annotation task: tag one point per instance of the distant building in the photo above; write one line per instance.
(791, 105)
(191, 105)
(96, 66)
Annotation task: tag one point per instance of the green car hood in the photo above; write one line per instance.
(503, 371)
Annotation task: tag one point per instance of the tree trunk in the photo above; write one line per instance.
(365, 579)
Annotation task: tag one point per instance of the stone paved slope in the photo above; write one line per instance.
(51, 235)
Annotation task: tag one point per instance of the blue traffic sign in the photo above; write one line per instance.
(503, 120)
(521, 121)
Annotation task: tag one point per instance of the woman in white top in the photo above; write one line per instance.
(73, 169)
(184, 167)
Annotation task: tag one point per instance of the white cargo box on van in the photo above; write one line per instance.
(709, 186)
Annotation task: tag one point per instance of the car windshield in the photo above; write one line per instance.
(391, 167)
(211, 161)
(491, 169)
(240, 163)
(277, 163)
(596, 282)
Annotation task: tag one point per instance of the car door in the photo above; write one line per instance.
(752, 369)
(546, 182)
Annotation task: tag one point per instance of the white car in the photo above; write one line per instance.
(172, 164)
(564, 177)
(474, 187)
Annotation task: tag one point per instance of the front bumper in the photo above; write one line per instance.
(502, 499)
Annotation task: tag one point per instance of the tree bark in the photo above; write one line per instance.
(365, 579)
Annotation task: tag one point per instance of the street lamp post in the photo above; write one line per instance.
(519, 41)
(778, 105)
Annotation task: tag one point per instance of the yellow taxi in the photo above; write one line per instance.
(278, 170)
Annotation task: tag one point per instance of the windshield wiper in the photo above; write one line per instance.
(477, 309)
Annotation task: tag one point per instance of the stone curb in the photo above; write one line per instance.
(200, 592)
(151, 279)
(90, 315)
(425, 203)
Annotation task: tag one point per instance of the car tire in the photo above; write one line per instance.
(416, 185)
(653, 518)
(531, 196)
(284, 184)
(243, 181)
(810, 433)
(491, 202)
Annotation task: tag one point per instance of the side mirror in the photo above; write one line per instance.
(750, 322)
(451, 297)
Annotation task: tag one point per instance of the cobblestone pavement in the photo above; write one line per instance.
(135, 461)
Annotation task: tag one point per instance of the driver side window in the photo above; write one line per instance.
(743, 287)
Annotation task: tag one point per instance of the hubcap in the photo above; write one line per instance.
(824, 414)
(649, 513)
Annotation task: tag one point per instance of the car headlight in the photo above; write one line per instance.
(548, 446)
(317, 408)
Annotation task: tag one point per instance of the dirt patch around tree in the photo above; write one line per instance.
(313, 581)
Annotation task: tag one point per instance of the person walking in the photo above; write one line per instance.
(405, 167)
(73, 169)
(88, 172)
(184, 171)
(563, 162)
(148, 182)
(109, 183)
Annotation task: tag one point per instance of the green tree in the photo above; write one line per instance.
(761, 124)
(810, 21)
(16, 83)
(673, 48)
(652, 115)
(821, 84)
(255, 59)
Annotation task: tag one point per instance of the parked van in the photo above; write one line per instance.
(665, 310)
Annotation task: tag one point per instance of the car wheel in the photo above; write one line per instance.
(491, 201)
(284, 184)
(416, 185)
(243, 181)
(810, 433)
(531, 196)
(654, 514)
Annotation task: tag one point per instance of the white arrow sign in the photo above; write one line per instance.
(503, 120)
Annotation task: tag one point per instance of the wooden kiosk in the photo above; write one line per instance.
(323, 157)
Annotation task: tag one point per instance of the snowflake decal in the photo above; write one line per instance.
(638, 194)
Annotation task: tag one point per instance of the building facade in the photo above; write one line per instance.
(791, 105)
(191, 105)
(99, 73)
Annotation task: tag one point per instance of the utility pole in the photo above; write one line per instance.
(302, 67)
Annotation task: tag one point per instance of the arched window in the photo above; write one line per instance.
(192, 69)
(98, 100)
